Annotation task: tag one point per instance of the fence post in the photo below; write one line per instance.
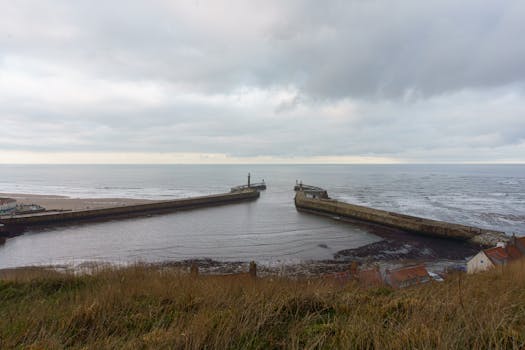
(354, 268)
(253, 269)
(194, 270)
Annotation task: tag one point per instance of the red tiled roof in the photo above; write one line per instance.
(370, 277)
(497, 253)
(408, 273)
(513, 252)
(343, 276)
(500, 255)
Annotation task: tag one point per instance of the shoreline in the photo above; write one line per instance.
(396, 247)
(207, 266)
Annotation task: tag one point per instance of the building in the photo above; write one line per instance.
(340, 278)
(482, 262)
(518, 242)
(7, 205)
(370, 277)
(500, 255)
(407, 276)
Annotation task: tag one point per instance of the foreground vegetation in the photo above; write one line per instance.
(144, 307)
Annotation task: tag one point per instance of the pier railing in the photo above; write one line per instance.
(311, 191)
(257, 186)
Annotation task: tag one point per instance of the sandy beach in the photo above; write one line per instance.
(53, 202)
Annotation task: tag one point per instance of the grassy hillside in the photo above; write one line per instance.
(141, 307)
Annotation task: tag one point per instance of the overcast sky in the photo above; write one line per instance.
(262, 81)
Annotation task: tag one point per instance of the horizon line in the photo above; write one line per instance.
(357, 163)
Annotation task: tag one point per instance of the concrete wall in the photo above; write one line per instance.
(405, 222)
(130, 210)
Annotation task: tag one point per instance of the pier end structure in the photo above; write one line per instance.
(261, 186)
(309, 201)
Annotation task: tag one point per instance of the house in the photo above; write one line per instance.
(370, 277)
(518, 242)
(366, 278)
(7, 205)
(500, 255)
(340, 278)
(407, 276)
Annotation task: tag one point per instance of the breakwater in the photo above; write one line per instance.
(316, 200)
(52, 218)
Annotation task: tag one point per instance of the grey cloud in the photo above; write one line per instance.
(420, 77)
(352, 48)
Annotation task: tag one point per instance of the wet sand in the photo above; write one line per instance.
(401, 245)
(52, 202)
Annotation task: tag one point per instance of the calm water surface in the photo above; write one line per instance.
(268, 230)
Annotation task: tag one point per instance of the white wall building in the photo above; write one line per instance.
(7, 205)
(480, 262)
(502, 254)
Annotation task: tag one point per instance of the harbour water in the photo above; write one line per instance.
(268, 230)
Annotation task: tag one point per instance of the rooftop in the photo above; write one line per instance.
(370, 277)
(501, 254)
(408, 273)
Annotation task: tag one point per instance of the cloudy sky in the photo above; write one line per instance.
(262, 81)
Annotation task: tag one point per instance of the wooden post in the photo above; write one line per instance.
(253, 269)
(194, 270)
(353, 268)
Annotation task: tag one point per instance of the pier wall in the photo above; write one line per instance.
(405, 222)
(129, 210)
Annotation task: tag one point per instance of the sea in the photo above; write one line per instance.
(269, 230)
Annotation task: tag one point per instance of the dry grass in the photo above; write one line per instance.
(141, 307)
